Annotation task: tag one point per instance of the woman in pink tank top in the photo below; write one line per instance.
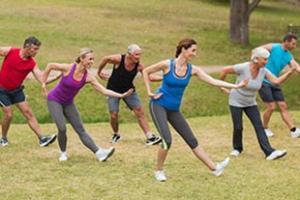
(61, 105)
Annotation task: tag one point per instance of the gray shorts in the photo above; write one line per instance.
(269, 93)
(132, 101)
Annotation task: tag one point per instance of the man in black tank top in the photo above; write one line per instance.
(125, 68)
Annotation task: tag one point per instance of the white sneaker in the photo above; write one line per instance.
(160, 176)
(220, 167)
(63, 157)
(296, 133)
(235, 153)
(104, 154)
(269, 133)
(276, 154)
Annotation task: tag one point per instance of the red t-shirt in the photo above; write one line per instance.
(15, 69)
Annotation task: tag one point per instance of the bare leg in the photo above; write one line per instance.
(114, 123)
(270, 107)
(142, 119)
(161, 157)
(201, 155)
(7, 117)
(31, 120)
(285, 114)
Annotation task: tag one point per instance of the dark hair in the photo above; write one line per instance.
(185, 43)
(288, 37)
(31, 41)
(83, 52)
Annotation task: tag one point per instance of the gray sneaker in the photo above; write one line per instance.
(3, 142)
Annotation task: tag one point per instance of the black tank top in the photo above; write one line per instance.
(121, 79)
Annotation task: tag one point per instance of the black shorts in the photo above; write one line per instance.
(9, 97)
(269, 93)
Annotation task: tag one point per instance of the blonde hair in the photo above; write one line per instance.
(83, 53)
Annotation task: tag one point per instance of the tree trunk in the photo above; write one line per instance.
(239, 20)
(240, 11)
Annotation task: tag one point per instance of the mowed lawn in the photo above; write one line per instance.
(31, 172)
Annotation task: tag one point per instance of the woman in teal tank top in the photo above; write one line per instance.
(165, 103)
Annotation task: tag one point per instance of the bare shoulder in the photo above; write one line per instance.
(4, 51)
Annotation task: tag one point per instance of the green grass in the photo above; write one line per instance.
(31, 172)
(64, 26)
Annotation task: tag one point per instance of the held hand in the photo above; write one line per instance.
(129, 92)
(243, 83)
(44, 90)
(155, 95)
(104, 76)
(225, 90)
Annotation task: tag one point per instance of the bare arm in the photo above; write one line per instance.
(223, 74)
(295, 65)
(100, 88)
(4, 51)
(273, 79)
(160, 66)
(63, 68)
(152, 77)
(111, 59)
(210, 80)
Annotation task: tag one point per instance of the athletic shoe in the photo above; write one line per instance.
(220, 167)
(46, 140)
(269, 133)
(160, 176)
(153, 140)
(116, 138)
(104, 154)
(235, 153)
(3, 142)
(276, 154)
(296, 133)
(63, 157)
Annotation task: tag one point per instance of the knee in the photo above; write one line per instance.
(166, 144)
(271, 107)
(238, 129)
(193, 143)
(114, 116)
(139, 112)
(283, 107)
(28, 114)
(8, 114)
(62, 130)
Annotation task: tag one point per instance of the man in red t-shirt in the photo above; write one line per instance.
(17, 64)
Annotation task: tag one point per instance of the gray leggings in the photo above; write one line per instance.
(58, 112)
(161, 116)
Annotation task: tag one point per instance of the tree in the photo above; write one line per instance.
(240, 11)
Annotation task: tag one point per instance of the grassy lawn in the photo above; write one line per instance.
(31, 172)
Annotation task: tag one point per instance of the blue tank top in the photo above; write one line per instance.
(173, 87)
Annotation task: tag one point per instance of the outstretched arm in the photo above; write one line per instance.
(160, 66)
(4, 51)
(210, 80)
(223, 74)
(100, 88)
(111, 59)
(273, 79)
